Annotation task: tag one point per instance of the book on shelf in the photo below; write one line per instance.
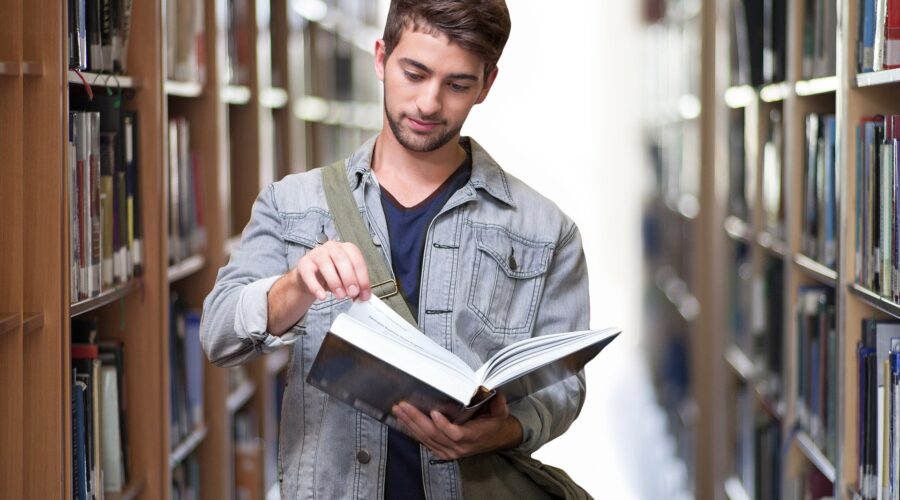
(738, 172)
(98, 34)
(248, 457)
(819, 38)
(878, 358)
(758, 36)
(819, 236)
(186, 480)
(773, 174)
(104, 201)
(186, 361)
(372, 359)
(816, 367)
(878, 35)
(187, 228)
(185, 45)
(239, 42)
(876, 245)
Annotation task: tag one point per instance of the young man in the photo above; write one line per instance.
(482, 260)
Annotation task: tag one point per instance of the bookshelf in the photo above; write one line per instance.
(243, 135)
(756, 200)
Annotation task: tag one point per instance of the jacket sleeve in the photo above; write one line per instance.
(235, 313)
(564, 307)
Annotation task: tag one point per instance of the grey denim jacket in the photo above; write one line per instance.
(501, 263)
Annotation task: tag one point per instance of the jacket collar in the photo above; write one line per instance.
(486, 175)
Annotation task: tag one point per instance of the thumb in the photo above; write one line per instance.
(499, 408)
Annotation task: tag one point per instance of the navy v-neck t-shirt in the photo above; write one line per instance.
(407, 229)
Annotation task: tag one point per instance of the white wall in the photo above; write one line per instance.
(563, 116)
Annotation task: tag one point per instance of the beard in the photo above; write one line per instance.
(420, 142)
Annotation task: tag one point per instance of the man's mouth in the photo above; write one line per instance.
(422, 126)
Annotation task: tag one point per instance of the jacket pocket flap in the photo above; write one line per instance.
(518, 257)
(304, 229)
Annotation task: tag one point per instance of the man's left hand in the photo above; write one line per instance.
(495, 430)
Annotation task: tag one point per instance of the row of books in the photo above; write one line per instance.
(98, 34)
(239, 64)
(877, 249)
(773, 195)
(878, 42)
(186, 480)
(104, 201)
(878, 359)
(99, 439)
(817, 367)
(187, 227)
(186, 362)
(819, 38)
(186, 50)
(819, 233)
(758, 41)
(738, 176)
(758, 458)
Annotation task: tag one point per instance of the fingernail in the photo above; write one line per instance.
(353, 290)
(339, 293)
(365, 294)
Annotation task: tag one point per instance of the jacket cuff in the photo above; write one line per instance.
(252, 317)
(525, 412)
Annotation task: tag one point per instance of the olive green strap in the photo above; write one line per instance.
(352, 229)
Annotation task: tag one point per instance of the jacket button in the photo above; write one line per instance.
(363, 457)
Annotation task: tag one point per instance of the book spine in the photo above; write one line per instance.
(880, 19)
(892, 35)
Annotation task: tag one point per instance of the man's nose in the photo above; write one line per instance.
(429, 101)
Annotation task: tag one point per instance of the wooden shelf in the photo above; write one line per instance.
(775, 92)
(738, 230)
(873, 299)
(238, 95)
(772, 245)
(277, 361)
(816, 270)
(188, 446)
(814, 455)
(104, 80)
(32, 323)
(9, 68)
(273, 98)
(734, 489)
(877, 78)
(740, 96)
(129, 492)
(186, 268)
(239, 397)
(741, 364)
(182, 89)
(365, 116)
(101, 300)
(9, 323)
(816, 86)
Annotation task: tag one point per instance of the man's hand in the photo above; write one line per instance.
(333, 267)
(496, 430)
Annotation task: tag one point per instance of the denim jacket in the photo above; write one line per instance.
(501, 263)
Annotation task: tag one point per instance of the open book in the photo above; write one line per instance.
(372, 359)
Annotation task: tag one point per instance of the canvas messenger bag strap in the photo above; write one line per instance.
(484, 477)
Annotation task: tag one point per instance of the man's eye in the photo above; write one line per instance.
(458, 88)
(413, 76)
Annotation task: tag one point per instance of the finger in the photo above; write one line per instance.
(456, 433)
(417, 432)
(345, 270)
(499, 408)
(310, 279)
(426, 426)
(325, 268)
(361, 270)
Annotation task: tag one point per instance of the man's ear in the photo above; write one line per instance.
(488, 82)
(380, 59)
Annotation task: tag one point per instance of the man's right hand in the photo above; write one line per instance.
(333, 267)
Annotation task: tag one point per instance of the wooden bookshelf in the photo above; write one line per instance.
(847, 94)
(36, 89)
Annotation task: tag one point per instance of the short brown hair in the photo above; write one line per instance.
(479, 26)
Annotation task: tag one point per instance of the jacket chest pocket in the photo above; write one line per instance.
(507, 279)
(304, 232)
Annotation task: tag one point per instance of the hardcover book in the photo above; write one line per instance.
(372, 359)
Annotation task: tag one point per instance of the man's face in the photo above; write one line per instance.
(430, 85)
